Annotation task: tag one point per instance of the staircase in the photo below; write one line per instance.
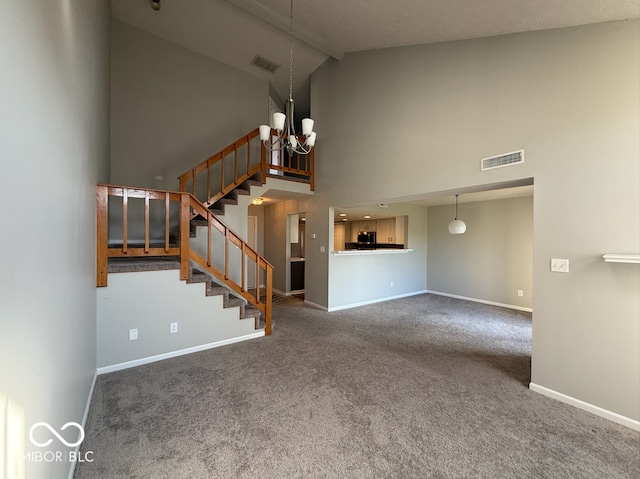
(166, 232)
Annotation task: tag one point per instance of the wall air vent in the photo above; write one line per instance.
(264, 64)
(507, 159)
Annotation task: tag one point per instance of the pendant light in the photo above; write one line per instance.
(457, 227)
(285, 134)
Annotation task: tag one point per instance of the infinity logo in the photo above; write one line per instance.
(55, 433)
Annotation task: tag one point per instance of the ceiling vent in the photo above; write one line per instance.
(264, 64)
(507, 159)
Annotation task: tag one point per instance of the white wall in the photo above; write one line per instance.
(570, 98)
(54, 146)
(149, 302)
(492, 260)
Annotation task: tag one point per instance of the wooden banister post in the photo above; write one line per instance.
(102, 219)
(312, 178)
(268, 300)
(263, 163)
(185, 216)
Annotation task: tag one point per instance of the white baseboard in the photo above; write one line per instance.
(315, 305)
(85, 416)
(598, 411)
(173, 354)
(483, 301)
(379, 300)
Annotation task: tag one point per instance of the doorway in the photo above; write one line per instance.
(296, 252)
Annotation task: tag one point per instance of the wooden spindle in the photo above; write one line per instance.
(146, 222)
(125, 212)
(209, 226)
(167, 208)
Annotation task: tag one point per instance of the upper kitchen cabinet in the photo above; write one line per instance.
(385, 233)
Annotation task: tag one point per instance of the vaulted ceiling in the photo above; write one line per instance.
(234, 31)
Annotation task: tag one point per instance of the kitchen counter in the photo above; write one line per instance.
(371, 246)
(353, 252)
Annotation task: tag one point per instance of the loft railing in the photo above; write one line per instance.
(146, 229)
(224, 171)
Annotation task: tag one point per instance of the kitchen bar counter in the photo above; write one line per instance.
(371, 246)
(353, 252)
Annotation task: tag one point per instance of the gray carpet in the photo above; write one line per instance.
(419, 387)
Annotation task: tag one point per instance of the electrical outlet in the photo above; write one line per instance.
(559, 265)
(133, 334)
(173, 328)
(520, 293)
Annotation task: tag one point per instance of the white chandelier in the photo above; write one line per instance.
(283, 122)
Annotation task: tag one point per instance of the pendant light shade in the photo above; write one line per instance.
(457, 227)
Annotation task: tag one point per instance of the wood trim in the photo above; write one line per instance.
(312, 170)
(268, 300)
(167, 209)
(146, 222)
(143, 251)
(125, 215)
(102, 220)
(185, 217)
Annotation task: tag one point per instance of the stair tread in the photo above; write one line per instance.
(137, 263)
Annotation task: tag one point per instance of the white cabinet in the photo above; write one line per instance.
(401, 230)
(368, 225)
(386, 232)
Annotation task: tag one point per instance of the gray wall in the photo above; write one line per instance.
(172, 108)
(276, 239)
(54, 146)
(364, 278)
(492, 260)
(570, 98)
(149, 302)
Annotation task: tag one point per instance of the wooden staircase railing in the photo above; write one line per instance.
(224, 171)
(231, 270)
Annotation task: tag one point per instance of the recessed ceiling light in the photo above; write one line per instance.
(343, 214)
(366, 217)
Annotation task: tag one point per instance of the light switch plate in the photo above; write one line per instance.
(559, 265)
(133, 334)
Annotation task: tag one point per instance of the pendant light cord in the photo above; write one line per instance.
(291, 52)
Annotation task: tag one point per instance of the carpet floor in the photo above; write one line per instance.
(420, 387)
